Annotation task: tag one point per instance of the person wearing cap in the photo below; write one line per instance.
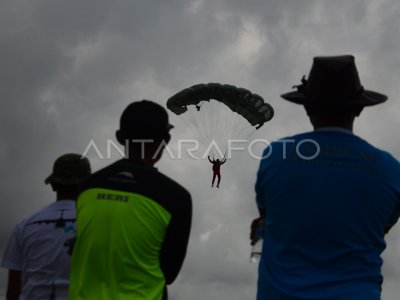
(37, 253)
(326, 197)
(133, 222)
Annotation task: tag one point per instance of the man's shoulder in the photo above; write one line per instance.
(382, 156)
(173, 185)
(34, 215)
(292, 138)
(287, 142)
(390, 163)
(319, 134)
(135, 177)
(330, 136)
(46, 211)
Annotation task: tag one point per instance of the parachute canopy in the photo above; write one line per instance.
(251, 106)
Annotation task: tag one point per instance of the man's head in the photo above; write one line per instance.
(69, 171)
(333, 90)
(144, 125)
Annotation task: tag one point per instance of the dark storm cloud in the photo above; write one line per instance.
(68, 69)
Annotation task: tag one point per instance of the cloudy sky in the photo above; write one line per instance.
(68, 69)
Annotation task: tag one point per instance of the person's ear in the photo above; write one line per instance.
(120, 137)
(167, 138)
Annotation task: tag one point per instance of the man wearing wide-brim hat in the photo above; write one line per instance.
(38, 252)
(326, 197)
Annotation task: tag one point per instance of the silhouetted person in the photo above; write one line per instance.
(133, 222)
(36, 254)
(326, 197)
(216, 169)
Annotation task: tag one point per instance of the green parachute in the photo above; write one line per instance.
(251, 106)
(220, 113)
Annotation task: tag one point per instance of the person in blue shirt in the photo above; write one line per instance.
(327, 197)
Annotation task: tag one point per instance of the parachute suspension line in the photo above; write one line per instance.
(239, 124)
(189, 120)
(195, 120)
(235, 120)
(228, 126)
(236, 127)
(213, 121)
(219, 128)
(216, 110)
(217, 123)
(214, 114)
(228, 121)
(203, 119)
(243, 128)
(214, 107)
(209, 122)
(207, 119)
(206, 122)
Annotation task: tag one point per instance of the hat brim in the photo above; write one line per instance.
(366, 98)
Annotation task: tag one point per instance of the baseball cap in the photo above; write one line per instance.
(144, 119)
(69, 169)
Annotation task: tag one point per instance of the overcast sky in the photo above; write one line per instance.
(69, 68)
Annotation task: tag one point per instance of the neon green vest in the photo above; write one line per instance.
(124, 231)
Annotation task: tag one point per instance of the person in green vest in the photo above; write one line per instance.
(133, 222)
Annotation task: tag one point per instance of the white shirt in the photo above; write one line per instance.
(36, 248)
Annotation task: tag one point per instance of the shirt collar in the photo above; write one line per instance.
(336, 129)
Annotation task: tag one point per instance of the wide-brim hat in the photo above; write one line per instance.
(69, 169)
(333, 82)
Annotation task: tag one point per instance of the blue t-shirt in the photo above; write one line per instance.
(328, 197)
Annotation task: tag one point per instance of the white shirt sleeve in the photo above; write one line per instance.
(12, 257)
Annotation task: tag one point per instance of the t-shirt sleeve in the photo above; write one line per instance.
(259, 192)
(393, 175)
(265, 161)
(176, 239)
(395, 217)
(12, 257)
(396, 213)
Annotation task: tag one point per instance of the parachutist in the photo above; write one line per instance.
(216, 169)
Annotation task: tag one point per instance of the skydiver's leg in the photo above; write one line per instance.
(219, 179)
(212, 183)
